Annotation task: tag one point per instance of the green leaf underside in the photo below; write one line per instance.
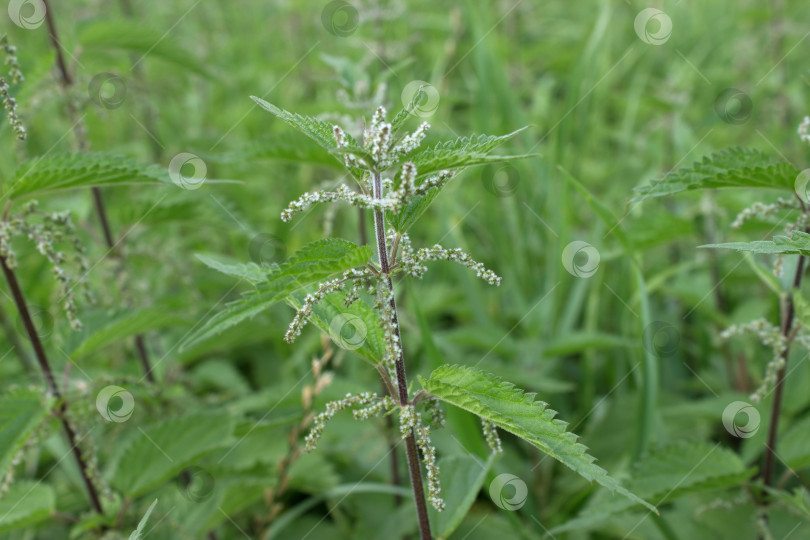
(665, 473)
(462, 152)
(22, 410)
(319, 131)
(372, 346)
(517, 412)
(312, 263)
(157, 453)
(456, 154)
(797, 244)
(57, 173)
(250, 272)
(734, 167)
(25, 504)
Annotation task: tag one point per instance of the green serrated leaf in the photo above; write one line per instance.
(102, 328)
(319, 131)
(312, 263)
(517, 412)
(665, 473)
(250, 272)
(156, 453)
(22, 410)
(26, 504)
(797, 244)
(56, 173)
(463, 152)
(735, 167)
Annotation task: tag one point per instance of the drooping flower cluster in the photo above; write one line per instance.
(372, 404)
(47, 230)
(763, 211)
(410, 422)
(491, 435)
(771, 336)
(15, 76)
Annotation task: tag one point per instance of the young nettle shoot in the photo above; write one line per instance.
(332, 281)
(385, 185)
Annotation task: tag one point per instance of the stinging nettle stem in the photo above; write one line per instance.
(402, 383)
(42, 359)
(98, 200)
(789, 313)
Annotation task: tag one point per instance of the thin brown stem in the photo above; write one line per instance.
(788, 315)
(50, 381)
(82, 143)
(399, 362)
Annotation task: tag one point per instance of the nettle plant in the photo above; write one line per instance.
(347, 291)
(756, 170)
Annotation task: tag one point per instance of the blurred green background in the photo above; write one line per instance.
(605, 107)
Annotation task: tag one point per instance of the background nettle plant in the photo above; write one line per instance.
(756, 170)
(397, 180)
(178, 363)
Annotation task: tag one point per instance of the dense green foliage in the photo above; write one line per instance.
(628, 301)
